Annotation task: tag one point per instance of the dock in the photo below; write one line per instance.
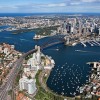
(90, 44)
(83, 44)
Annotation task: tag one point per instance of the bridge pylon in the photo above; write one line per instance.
(67, 42)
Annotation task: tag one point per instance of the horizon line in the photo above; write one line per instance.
(47, 12)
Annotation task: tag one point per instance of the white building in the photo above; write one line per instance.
(35, 61)
(33, 64)
(1, 49)
(26, 69)
(6, 51)
(72, 29)
(38, 55)
(12, 46)
(98, 70)
(27, 84)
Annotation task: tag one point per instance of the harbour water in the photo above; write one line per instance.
(71, 70)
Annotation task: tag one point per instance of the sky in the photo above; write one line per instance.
(49, 6)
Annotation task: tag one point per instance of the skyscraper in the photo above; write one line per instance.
(38, 55)
(64, 27)
(80, 28)
(68, 28)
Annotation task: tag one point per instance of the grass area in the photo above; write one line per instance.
(36, 77)
(46, 30)
(45, 79)
(38, 31)
(42, 94)
(9, 92)
(28, 57)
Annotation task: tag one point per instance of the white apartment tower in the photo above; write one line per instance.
(38, 55)
(27, 84)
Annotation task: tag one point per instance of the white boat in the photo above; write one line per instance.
(74, 44)
(37, 37)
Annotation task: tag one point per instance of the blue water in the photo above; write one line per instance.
(64, 77)
(70, 70)
(32, 14)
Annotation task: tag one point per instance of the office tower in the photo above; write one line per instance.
(64, 25)
(84, 30)
(64, 29)
(91, 29)
(80, 28)
(68, 28)
(72, 29)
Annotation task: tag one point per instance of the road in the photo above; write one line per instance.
(12, 76)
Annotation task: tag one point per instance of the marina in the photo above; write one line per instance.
(91, 43)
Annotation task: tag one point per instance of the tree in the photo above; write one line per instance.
(29, 77)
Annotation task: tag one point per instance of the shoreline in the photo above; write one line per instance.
(47, 89)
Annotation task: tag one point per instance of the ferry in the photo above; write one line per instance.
(37, 37)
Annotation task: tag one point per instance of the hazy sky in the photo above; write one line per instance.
(34, 6)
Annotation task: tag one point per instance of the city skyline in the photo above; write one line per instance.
(50, 6)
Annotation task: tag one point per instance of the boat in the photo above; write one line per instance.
(37, 37)
(74, 44)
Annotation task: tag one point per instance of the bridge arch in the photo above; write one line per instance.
(52, 41)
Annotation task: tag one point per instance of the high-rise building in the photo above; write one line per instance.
(99, 30)
(59, 30)
(38, 55)
(64, 25)
(33, 63)
(84, 30)
(64, 28)
(91, 29)
(80, 28)
(27, 84)
(68, 28)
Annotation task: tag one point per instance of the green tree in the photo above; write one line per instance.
(29, 77)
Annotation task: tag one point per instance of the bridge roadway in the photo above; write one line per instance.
(12, 75)
(51, 44)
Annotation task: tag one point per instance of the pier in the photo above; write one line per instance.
(94, 64)
(83, 44)
(97, 43)
(90, 43)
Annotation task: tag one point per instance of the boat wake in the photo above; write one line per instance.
(87, 51)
